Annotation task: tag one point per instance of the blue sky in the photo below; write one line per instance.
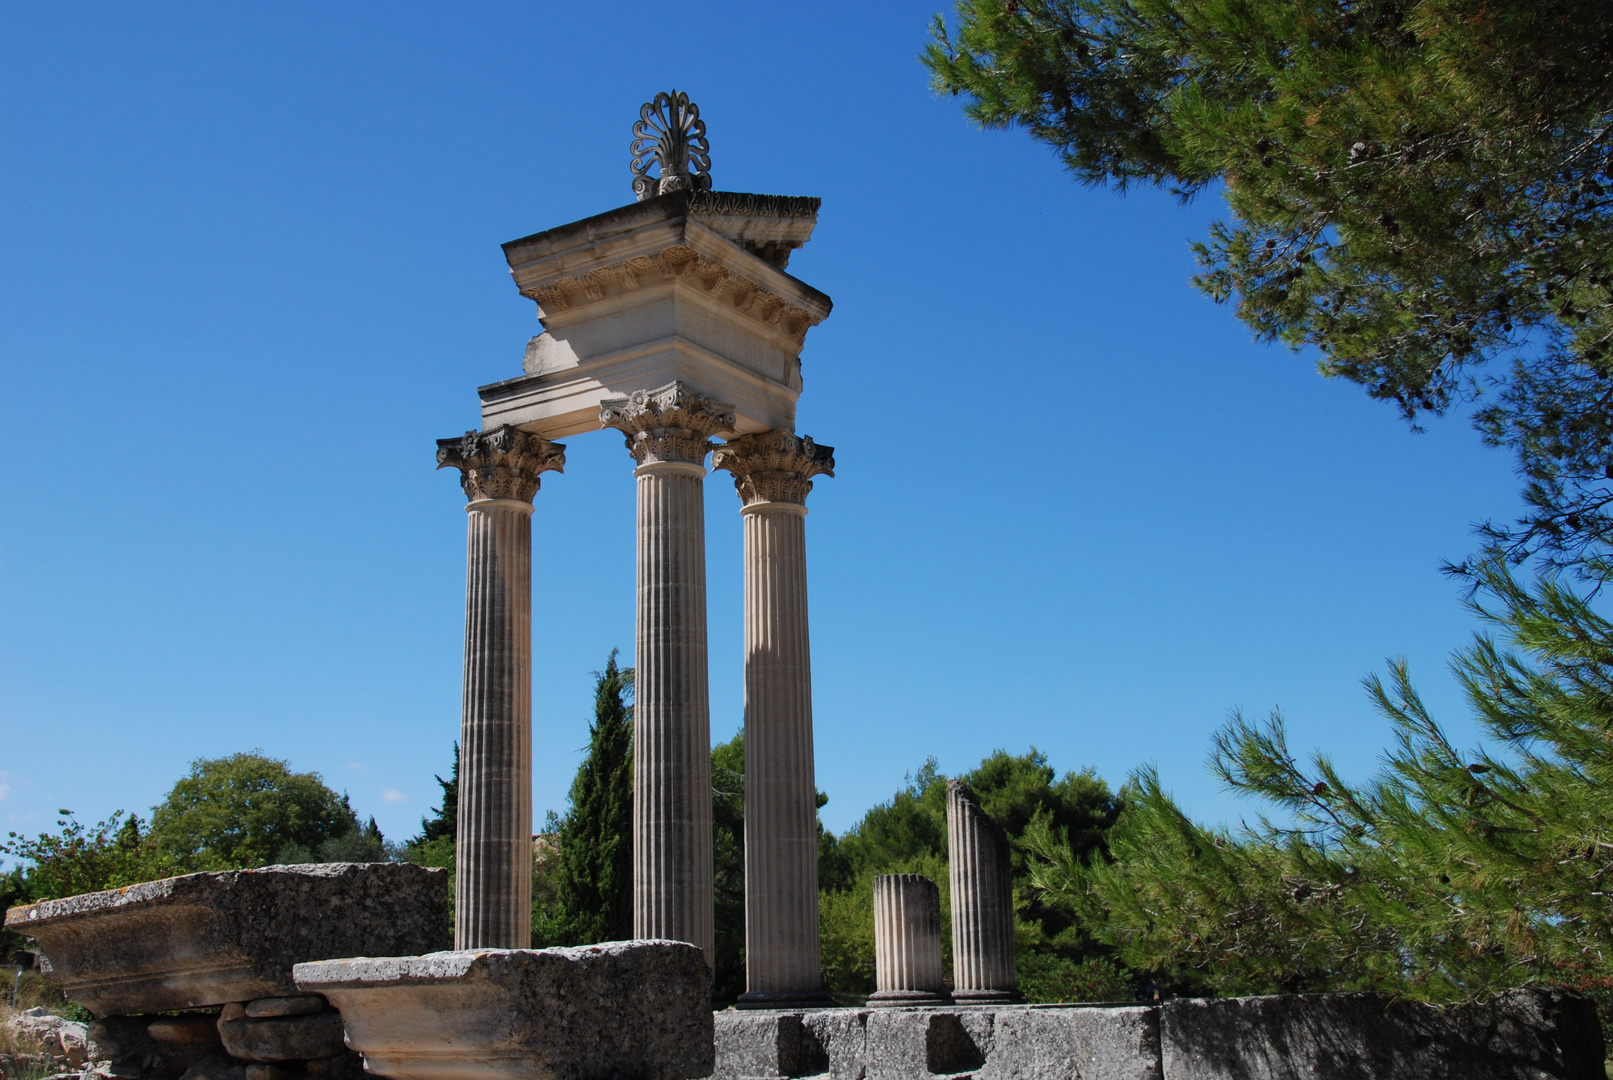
(250, 271)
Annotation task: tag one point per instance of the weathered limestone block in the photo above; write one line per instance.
(906, 1044)
(625, 1010)
(843, 1034)
(1031, 1043)
(1523, 1035)
(761, 1044)
(208, 939)
(283, 1038)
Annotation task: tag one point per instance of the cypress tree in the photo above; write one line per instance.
(444, 822)
(594, 867)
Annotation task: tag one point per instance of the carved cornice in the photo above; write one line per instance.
(774, 466)
(670, 424)
(504, 463)
(681, 263)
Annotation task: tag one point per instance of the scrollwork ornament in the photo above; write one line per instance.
(504, 463)
(672, 423)
(774, 466)
(670, 134)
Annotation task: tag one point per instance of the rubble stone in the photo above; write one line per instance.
(283, 1038)
(299, 1005)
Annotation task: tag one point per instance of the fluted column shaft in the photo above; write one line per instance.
(668, 433)
(772, 474)
(672, 838)
(493, 856)
(981, 876)
(907, 941)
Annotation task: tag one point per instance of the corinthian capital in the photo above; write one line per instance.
(500, 464)
(672, 423)
(774, 466)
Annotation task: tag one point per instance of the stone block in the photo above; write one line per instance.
(626, 1010)
(300, 1005)
(843, 1034)
(209, 939)
(195, 1030)
(762, 1044)
(283, 1038)
(1092, 1043)
(906, 1043)
(216, 1066)
(1523, 1035)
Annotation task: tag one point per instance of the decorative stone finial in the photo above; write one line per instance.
(673, 423)
(774, 466)
(504, 463)
(670, 134)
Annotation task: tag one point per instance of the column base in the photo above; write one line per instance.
(987, 997)
(784, 1000)
(898, 999)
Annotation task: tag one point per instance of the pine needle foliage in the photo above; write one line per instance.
(1417, 189)
(1450, 874)
(594, 864)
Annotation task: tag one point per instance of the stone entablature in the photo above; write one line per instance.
(684, 287)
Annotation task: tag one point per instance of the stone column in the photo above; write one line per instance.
(493, 886)
(907, 941)
(982, 901)
(669, 434)
(772, 474)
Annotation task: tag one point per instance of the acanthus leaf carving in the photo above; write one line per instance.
(773, 466)
(670, 424)
(504, 463)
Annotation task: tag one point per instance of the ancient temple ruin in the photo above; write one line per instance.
(673, 321)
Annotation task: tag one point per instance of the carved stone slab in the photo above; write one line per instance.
(623, 1010)
(215, 938)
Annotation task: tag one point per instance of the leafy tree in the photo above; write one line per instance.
(1448, 875)
(1417, 189)
(590, 882)
(244, 810)
(81, 859)
(908, 834)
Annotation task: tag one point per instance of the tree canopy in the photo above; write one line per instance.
(1419, 190)
(245, 810)
(1450, 874)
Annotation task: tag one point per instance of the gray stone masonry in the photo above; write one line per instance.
(625, 1010)
(210, 939)
(1525, 1035)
